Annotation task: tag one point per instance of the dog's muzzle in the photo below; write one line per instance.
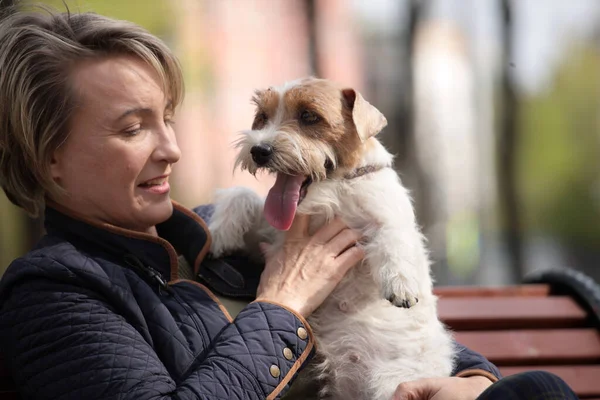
(262, 154)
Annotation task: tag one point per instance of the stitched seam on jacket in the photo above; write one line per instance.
(246, 372)
(29, 260)
(207, 292)
(202, 330)
(142, 383)
(71, 279)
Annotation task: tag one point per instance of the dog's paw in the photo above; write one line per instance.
(399, 294)
(237, 213)
(407, 302)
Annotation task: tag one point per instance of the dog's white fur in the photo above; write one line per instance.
(366, 346)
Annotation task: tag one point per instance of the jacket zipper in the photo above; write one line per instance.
(153, 275)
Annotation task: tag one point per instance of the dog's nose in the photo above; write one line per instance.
(261, 154)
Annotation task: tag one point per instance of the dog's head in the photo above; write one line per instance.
(305, 131)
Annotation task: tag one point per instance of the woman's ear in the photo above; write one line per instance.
(55, 170)
(368, 120)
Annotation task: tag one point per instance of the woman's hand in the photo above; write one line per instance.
(307, 268)
(453, 388)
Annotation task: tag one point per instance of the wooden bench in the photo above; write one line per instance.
(553, 326)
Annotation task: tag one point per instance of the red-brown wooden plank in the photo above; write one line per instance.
(482, 313)
(6, 386)
(9, 396)
(583, 379)
(535, 347)
(493, 291)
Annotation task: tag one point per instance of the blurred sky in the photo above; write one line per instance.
(544, 29)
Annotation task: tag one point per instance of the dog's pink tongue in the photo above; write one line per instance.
(282, 200)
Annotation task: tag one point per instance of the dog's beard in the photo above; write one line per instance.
(297, 161)
(292, 154)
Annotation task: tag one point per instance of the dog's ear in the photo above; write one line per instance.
(368, 120)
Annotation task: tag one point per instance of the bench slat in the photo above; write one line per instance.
(483, 313)
(583, 379)
(493, 291)
(9, 395)
(535, 347)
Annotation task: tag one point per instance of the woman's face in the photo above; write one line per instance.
(116, 162)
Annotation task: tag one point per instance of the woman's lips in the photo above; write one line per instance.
(156, 185)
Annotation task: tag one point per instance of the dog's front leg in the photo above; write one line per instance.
(400, 264)
(236, 221)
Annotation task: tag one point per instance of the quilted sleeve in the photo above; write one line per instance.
(64, 342)
(470, 362)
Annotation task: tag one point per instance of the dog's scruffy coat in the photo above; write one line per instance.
(379, 327)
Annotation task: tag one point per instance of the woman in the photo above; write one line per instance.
(98, 309)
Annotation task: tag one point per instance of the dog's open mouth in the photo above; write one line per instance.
(283, 199)
(304, 188)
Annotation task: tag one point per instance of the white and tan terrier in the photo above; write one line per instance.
(379, 327)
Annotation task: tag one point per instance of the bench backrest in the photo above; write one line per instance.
(523, 328)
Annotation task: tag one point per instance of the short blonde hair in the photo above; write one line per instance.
(37, 52)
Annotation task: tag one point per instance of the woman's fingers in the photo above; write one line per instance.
(352, 256)
(303, 272)
(329, 231)
(343, 240)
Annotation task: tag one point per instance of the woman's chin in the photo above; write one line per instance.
(157, 213)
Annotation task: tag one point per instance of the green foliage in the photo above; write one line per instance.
(12, 232)
(155, 15)
(558, 163)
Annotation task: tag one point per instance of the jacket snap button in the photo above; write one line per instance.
(275, 371)
(302, 334)
(287, 353)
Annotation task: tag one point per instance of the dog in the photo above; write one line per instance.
(379, 327)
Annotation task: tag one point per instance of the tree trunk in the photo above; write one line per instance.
(313, 44)
(508, 196)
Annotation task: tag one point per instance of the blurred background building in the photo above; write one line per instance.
(493, 110)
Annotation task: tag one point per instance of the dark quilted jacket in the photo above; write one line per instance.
(89, 314)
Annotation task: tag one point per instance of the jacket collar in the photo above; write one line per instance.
(184, 233)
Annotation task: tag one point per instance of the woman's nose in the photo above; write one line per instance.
(167, 148)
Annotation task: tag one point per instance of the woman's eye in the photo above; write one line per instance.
(309, 117)
(133, 131)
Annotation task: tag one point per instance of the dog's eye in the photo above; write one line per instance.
(328, 164)
(309, 117)
(260, 120)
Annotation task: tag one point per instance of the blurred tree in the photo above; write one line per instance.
(313, 44)
(558, 161)
(405, 108)
(507, 137)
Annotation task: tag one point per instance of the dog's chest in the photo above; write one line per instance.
(354, 306)
(327, 200)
